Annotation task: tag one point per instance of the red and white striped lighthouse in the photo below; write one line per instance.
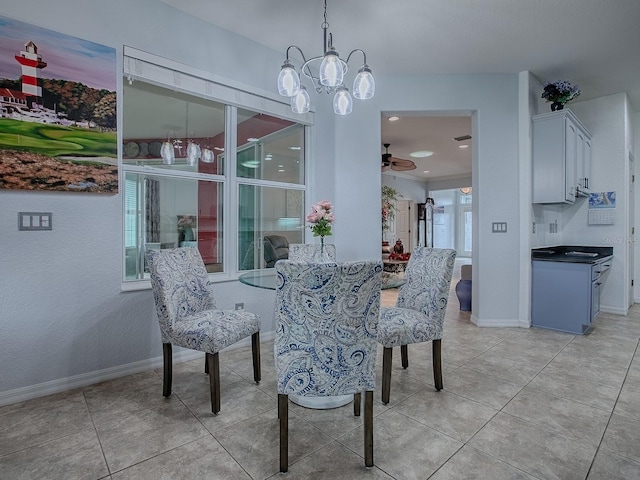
(31, 62)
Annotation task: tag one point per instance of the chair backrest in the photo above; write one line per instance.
(428, 275)
(306, 252)
(326, 327)
(180, 284)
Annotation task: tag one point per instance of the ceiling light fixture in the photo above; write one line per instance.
(421, 154)
(394, 119)
(327, 77)
(463, 146)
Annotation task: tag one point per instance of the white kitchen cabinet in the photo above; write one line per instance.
(561, 157)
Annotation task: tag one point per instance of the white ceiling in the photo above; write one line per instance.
(592, 43)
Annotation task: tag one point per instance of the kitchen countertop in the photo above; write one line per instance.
(571, 254)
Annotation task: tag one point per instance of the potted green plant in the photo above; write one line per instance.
(389, 197)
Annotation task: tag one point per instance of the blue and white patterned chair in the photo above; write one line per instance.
(326, 337)
(189, 318)
(419, 312)
(308, 252)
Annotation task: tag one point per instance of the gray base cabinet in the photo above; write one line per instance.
(566, 296)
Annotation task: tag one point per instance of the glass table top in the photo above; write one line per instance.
(267, 279)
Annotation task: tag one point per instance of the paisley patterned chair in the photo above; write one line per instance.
(419, 312)
(326, 331)
(307, 252)
(189, 317)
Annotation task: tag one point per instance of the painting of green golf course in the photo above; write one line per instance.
(36, 156)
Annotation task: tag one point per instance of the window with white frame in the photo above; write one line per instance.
(212, 167)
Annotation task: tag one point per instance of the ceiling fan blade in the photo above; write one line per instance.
(403, 167)
(400, 161)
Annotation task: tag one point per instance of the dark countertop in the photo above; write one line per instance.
(571, 254)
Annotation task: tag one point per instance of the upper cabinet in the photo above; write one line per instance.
(561, 157)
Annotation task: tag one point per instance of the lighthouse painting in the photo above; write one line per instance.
(58, 121)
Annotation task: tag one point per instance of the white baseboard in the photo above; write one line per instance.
(614, 310)
(85, 379)
(498, 322)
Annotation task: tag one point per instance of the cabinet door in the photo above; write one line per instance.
(586, 161)
(580, 152)
(570, 181)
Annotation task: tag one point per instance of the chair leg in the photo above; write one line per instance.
(214, 381)
(283, 409)
(206, 365)
(255, 352)
(387, 356)
(404, 352)
(437, 364)
(168, 369)
(357, 398)
(368, 428)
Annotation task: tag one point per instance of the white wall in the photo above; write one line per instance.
(64, 319)
(493, 102)
(606, 119)
(410, 188)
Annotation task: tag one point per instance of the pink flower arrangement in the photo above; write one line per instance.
(321, 218)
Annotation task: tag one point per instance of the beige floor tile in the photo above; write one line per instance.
(480, 388)
(555, 380)
(564, 416)
(451, 414)
(622, 436)
(238, 402)
(37, 421)
(403, 448)
(628, 404)
(609, 466)
(333, 462)
(519, 371)
(144, 434)
(540, 452)
(202, 458)
(254, 443)
(471, 463)
(75, 456)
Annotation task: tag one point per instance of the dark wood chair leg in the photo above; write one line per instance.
(206, 365)
(357, 399)
(255, 352)
(387, 356)
(437, 364)
(213, 362)
(404, 352)
(168, 369)
(368, 428)
(283, 409)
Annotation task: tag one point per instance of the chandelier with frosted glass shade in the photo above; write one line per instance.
(328, 77)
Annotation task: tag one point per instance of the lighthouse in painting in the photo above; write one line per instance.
(31, 62)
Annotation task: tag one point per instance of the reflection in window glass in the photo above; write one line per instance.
(269, 219)
(168, 212)
(192, 126)
(269, 148)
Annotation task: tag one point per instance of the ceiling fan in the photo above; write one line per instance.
(393, 163)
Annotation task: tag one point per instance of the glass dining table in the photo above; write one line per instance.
(267, 279)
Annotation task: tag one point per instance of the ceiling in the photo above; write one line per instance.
(592, 43)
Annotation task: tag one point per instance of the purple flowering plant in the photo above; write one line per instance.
(560, 91)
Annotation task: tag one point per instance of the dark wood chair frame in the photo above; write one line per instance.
(387, 356)
(212, 364)
(283, 415)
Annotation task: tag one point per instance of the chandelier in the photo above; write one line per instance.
(327, 77)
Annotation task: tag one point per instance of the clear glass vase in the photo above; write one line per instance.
(321, 255)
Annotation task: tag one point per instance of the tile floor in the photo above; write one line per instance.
(516, 404)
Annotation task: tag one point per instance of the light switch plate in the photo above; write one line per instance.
(499, 227)
(35, 221)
